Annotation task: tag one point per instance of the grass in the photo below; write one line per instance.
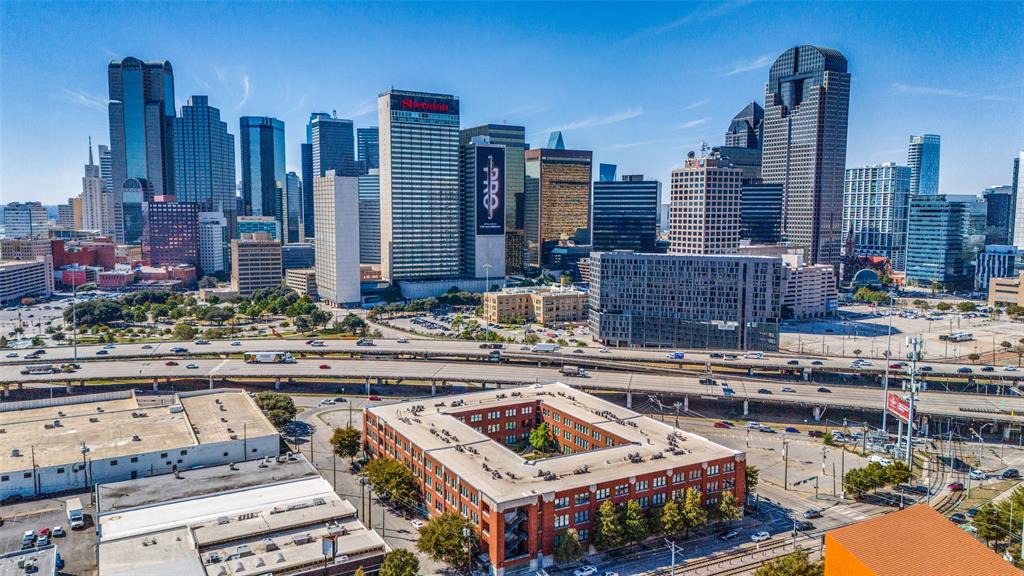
(984, 494)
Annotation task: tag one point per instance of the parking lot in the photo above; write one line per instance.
(77, 547)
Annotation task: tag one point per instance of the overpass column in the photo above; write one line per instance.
(750, 371)
(924, 425)
(366, 382)
(817, 413)
(277, 383)
(629, 398)
(1006, 432)
(807, 374)
(7, 390)
(746, 407)
(81, 384)
(433, 387)
(686, 403)
(67, 387)
(156, 384)
(379, 381)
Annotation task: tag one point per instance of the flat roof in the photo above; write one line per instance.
(52, 433)
(928, 545)
(509, 477)
(45, 560)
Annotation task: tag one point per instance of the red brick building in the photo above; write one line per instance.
(460, 450)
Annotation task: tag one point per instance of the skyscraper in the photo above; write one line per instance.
(294, 231)
(923, 159)
(368, 148)
(482, 186)
(106, 169)
(170, 234)
(25, 220)
(204, 159)
(309, 222)
(761, 212)
(1016, 203)
(97, 201)
(337, 257)
(141, 111)
(745, 129)
(263, 171)
(807, 100)
(704, 216)
(875, 211)
(369, 217)
(624, 213)
(419, 185)
(997, 214)
(557, 197)
(214, 243)
(333, 145)
(513, 138)
(935, 240)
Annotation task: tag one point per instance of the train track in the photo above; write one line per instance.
(713, 561)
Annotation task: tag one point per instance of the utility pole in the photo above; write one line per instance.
(888, 357)
(915, 343)
(672, 546)
(785, 460)
(74, 320)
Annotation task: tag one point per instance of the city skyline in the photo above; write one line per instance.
(670, 106)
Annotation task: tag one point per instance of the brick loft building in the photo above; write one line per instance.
(461, 451)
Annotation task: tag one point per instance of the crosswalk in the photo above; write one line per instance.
(848, 512)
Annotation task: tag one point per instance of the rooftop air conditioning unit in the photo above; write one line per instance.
(15, 453)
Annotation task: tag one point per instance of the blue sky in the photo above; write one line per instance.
(640, 84)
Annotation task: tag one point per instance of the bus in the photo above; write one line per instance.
(269, 358)
(957, 337)
(39, 369)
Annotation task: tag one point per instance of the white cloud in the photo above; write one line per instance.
(245, 92)
(914, 90)
(750, 65)
(592, 121)
(695, 123)
(362, 109)
(698, 104)
(84, 99)
(698, 16)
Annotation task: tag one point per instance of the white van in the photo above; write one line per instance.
(754, 355)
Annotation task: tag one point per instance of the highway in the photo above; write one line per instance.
(989, 408)
(428, 347)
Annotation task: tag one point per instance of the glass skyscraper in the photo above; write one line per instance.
(807, 100)
(624, 213)
(369, 217)
(204, 160)
(141, 114)
(419, 185)
(556, 198)
(935, 240)
(295, 208)
(333, 145)
(745, 129)
(306, 150)
(368, 148)
(263, 171)
(923, 159)
(875, 211)
(761, 212)
(171, 232)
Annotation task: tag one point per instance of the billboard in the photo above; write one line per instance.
(898, 406)
(490, 190)
(434, 105)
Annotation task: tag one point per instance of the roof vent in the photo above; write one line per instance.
(135, 438)
(15, 452)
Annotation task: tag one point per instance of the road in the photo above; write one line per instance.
(995, 408)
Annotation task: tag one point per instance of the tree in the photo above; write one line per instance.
(857, 351)
(608, 531)
(897, 473)
(672, 521)
(207, 282)
(183, 331)
(793, 564)
(967, 307)
(988, 523)
(390, 477)
(634, 523)
(359, 572)
(653, 518)
(399, 562)
(569, 548)
(974, 357)
(694, 513)
(346, 441)
(442, 539)
(353, 323)
(943, 307)
(37, 341)
(750, 479)
(728, 509)
(279, 408)
(540, 438)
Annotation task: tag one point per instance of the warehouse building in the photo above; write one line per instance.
(70, 443)
(459, 451)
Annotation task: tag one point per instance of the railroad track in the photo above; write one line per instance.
(712, 561)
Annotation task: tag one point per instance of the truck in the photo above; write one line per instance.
(364, 342)
(268, 358)
(39, 369)
(675, 355)
(574, 371)
(544, 348)
(76, 518)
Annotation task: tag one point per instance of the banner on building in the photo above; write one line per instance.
(898, 406)
(490, 190)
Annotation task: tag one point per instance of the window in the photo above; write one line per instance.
(602, 493)
(113, 462)
(642, 501)
(510, 425)
(584, 535)
(713, 470)
(641, 485)
(712, 487)
(583, 498)
(510, 412)
(729, 467)
(60, 470)
(566, 434)
(622, 489)
(678, 477)
(225, 454)
(163, 455)
(476, 418)
(27, 475)
(4, 478)
(494, 415)
(581, 517)
(561, 502)
(658, 499)
(184, 452)
(561, 520)
(695, 474)
(493, 428)
(659, 481)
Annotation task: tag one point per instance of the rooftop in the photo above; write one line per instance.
(54, 432)
(506, 476)
(928, 545)
(44, 559)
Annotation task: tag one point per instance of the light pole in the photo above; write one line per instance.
(487, 274)
(74, 320)
(785, 460)
(888, 355)
(914, 343)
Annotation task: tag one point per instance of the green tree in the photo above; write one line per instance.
(654, 527)
(540, 438)
(279, 408)
(353, 324)
(672, 521)
(442, 539)
(634, 523)
(37, 341)
(569, 548)
(694, 513)
(897, 473)
(390, 477)
(965, 307)
(943, 307)
(359, 572)
(399, 562)
(184, 331)
(207, 282)
(346, 441)
(988, 523)
(750, 479)
(728, 509)
(608, 532)
(793, 564)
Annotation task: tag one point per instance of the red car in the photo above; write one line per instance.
(325, 367)
(956, 486)
(721, 425)
(374, 398)
(895, 366)
(170, 363)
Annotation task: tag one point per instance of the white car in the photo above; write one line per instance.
(978, 474)
(57, 532)
(12, 354)
(760, 537)
(1009, 368)
(403, 340)
(236, 343)
(754, 425)
(605, 350)
(417, 524)
(328, 401)
(585, 570)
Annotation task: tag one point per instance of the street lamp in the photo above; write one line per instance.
(487, 273)
(888, 355)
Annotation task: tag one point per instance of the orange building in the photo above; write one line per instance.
(916, 541)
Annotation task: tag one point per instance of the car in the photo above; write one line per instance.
(403, 340)
(721, 425)
(964, 370)
(417, 524)
(609, 573)
(236, 343)
(924, 368)
(760, 536)
(170, 363)
(327, 401)
(817, 363)
(147, 347)
(192, 366)
(1009, 368)
(578, 351)
(958, 518)
(753, 424)
(767, 429)
(34, 356)
(987, 369)
(917, 489)
(978, 474)
(43, 532)
(955, 486)
(12, 354)
(1010, 473)
(100, 352)
(605, 351)
(812, 514)
(585, 570)
(43, 541)
(728, 535)
(325, 367)
(374, 398)
(58, 532)
(972, 512)
(803, 525)
(791, 430)
(717, 355)
(896, 366)
(731, 356)
(201, 342)
(793, 363)
(824, 390)
(788, 390)
(340, 399)
(107, 347)
(763, 391)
